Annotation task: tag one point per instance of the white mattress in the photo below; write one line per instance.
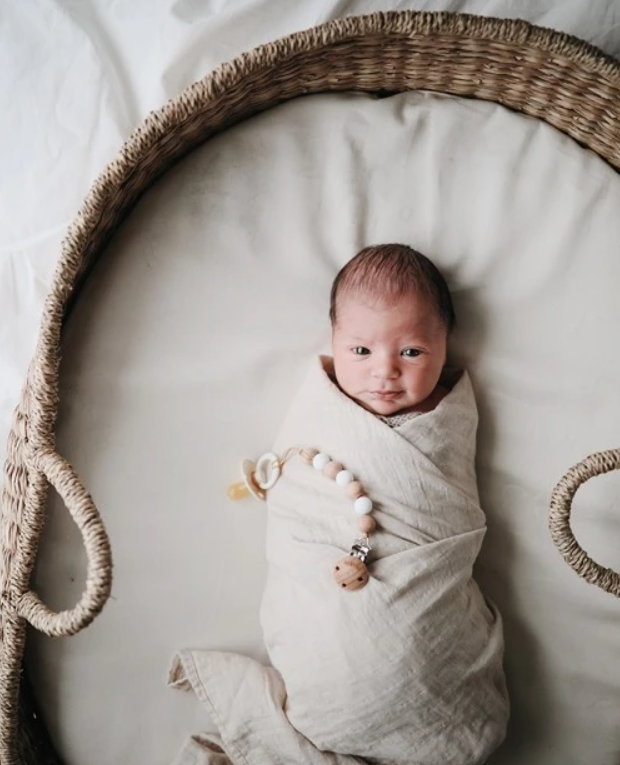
(194, 331)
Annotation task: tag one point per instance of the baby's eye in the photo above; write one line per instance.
(411, 353)
(359, 350)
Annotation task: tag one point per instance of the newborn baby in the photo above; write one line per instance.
(391, 313)
(407, 668)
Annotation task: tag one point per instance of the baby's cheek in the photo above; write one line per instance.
(350, 381)
(342, 374)
(424, 380)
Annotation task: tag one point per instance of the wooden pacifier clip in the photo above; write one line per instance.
(350, 572)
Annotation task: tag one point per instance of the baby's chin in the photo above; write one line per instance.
(385, 408)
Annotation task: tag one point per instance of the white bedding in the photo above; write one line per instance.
(215, 294)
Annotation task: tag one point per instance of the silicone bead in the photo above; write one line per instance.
(355, 490)
(320, 460)
(362, 505)
(332, 469)
(366, 524)
(344, 477)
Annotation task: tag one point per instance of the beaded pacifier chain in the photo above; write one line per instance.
(350, 572)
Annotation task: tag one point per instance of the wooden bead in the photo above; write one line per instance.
(344, 477)
(350, 573)
(355, 490)
(366, 524)
(320, 460)
(363, 505)
(332, 469)
(308, 455)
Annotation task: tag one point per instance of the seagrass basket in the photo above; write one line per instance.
(550, 76)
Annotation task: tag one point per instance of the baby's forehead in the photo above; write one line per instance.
(377, 301)
(415, 312)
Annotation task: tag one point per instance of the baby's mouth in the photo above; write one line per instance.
(386, 395)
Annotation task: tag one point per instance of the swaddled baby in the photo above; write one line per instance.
(407, 668)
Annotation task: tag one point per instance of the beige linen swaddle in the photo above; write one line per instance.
(407, 670)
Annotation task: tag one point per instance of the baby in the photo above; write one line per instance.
(391, 314)
(406, 668)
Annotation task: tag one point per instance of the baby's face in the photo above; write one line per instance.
(388, 357)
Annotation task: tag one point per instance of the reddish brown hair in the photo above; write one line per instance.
(392, 271)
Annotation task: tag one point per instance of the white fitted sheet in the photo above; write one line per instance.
(193, 333)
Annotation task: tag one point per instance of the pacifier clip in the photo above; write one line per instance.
(350, 572)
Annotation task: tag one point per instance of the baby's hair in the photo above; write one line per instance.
(392, 271)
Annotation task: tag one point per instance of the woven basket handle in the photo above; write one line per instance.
(99, 571)
(559, 520)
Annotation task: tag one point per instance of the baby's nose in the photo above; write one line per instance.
(386, 368)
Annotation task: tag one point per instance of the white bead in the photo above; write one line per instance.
(344, 477)
(320, 460)
(362, 505)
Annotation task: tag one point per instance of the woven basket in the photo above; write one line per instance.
(556, 78)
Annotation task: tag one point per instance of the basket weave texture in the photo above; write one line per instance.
(545, 74)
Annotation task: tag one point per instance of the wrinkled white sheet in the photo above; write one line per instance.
(83, 74)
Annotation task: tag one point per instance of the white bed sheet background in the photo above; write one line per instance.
(84, 75)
